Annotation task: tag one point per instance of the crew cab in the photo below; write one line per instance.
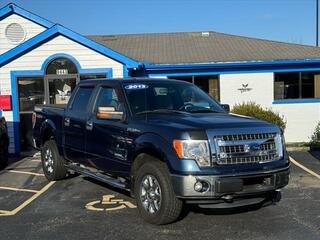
(165, 141)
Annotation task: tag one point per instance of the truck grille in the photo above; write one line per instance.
(247, 148)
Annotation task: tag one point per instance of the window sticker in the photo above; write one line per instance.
(135, 86)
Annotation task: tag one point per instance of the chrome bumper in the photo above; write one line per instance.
(231, 185)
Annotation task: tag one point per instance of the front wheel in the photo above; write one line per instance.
(52, 162)
(154, 193)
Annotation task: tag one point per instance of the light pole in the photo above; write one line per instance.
(317, 23)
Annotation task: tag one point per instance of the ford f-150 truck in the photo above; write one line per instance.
(165, 141)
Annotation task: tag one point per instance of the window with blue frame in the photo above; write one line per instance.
(296, 85)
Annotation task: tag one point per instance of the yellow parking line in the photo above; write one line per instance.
(5, 213)
(19, 189)
(304, 168)
(27, 202)
(30, 173)
(35, 160)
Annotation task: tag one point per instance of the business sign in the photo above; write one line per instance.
(245, 88)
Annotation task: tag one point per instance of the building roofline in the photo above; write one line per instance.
(56, 30)
(11, 8)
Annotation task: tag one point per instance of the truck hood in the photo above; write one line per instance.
(206, 121)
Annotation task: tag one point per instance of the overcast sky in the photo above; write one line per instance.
(283, 20)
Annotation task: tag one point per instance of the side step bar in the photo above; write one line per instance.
(98, 176)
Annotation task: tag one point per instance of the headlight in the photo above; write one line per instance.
(280, 145)
(193, 149)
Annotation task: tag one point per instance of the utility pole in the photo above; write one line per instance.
(317, 23)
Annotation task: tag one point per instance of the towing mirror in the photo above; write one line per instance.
(109, 113)
(226, 107)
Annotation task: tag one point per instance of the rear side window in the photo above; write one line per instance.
(81, 99)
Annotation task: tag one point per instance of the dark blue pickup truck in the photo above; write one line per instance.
(165, 141)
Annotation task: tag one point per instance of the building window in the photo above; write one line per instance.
(31, 92)
(209, 84)
(92, 76)
(61, 66)
(296, 85)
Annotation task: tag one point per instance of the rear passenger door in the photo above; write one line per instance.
(74, 124)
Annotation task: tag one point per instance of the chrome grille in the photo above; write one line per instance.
(246, 148)
(239, 137)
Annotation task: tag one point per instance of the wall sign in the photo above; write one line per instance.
(5, 102)
(245, 88)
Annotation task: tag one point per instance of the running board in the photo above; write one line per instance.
(98, 176)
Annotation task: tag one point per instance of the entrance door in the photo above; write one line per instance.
(30, 90)
(59, 88)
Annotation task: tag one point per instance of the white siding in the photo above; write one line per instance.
(301, 118)
(261, 85)
(33, 61)
(30, 28)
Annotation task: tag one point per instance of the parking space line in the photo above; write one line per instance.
(27, 202)
(23, 172)
(19, 189)
(304, 168)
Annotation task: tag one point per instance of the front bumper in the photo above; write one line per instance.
(231, 186)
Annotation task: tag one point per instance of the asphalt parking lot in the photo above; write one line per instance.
(80, 208)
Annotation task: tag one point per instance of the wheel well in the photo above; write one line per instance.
(47, 134)
(139, 160)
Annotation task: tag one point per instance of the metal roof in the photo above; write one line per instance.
(203, 47)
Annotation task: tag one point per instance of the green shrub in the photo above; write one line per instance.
(315, 138)
(257, 111)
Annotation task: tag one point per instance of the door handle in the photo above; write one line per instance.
(67, 122)
(89, 125)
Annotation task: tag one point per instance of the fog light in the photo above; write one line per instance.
(198, 186)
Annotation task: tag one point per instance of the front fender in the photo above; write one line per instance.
(164, 150)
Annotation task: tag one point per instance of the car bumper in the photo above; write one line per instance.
(229, 187)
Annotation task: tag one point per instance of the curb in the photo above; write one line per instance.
(298, 149)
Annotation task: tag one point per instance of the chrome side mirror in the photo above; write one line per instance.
(109, 113)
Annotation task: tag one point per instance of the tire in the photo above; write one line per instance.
(169, 206)
(3, 153)
(52, 162)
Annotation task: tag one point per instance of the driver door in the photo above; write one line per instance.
(107, 143)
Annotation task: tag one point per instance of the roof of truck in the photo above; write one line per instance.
(128, 80)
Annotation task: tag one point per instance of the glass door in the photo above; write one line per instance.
(59, 88)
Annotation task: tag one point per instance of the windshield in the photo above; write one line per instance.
(175, 97)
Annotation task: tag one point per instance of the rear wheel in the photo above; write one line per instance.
(154, 193)
(52, 162)
(3, 153)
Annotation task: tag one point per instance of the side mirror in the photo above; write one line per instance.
(109, 113)
(226, 107)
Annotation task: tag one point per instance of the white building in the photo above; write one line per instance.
(41, 62)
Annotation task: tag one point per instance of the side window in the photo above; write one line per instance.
(81, 99)
(108, 97)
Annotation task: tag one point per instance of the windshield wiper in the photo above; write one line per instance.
(160, 111)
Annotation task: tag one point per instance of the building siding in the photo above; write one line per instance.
(301, 118)
(33, 61)
(32, 29)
